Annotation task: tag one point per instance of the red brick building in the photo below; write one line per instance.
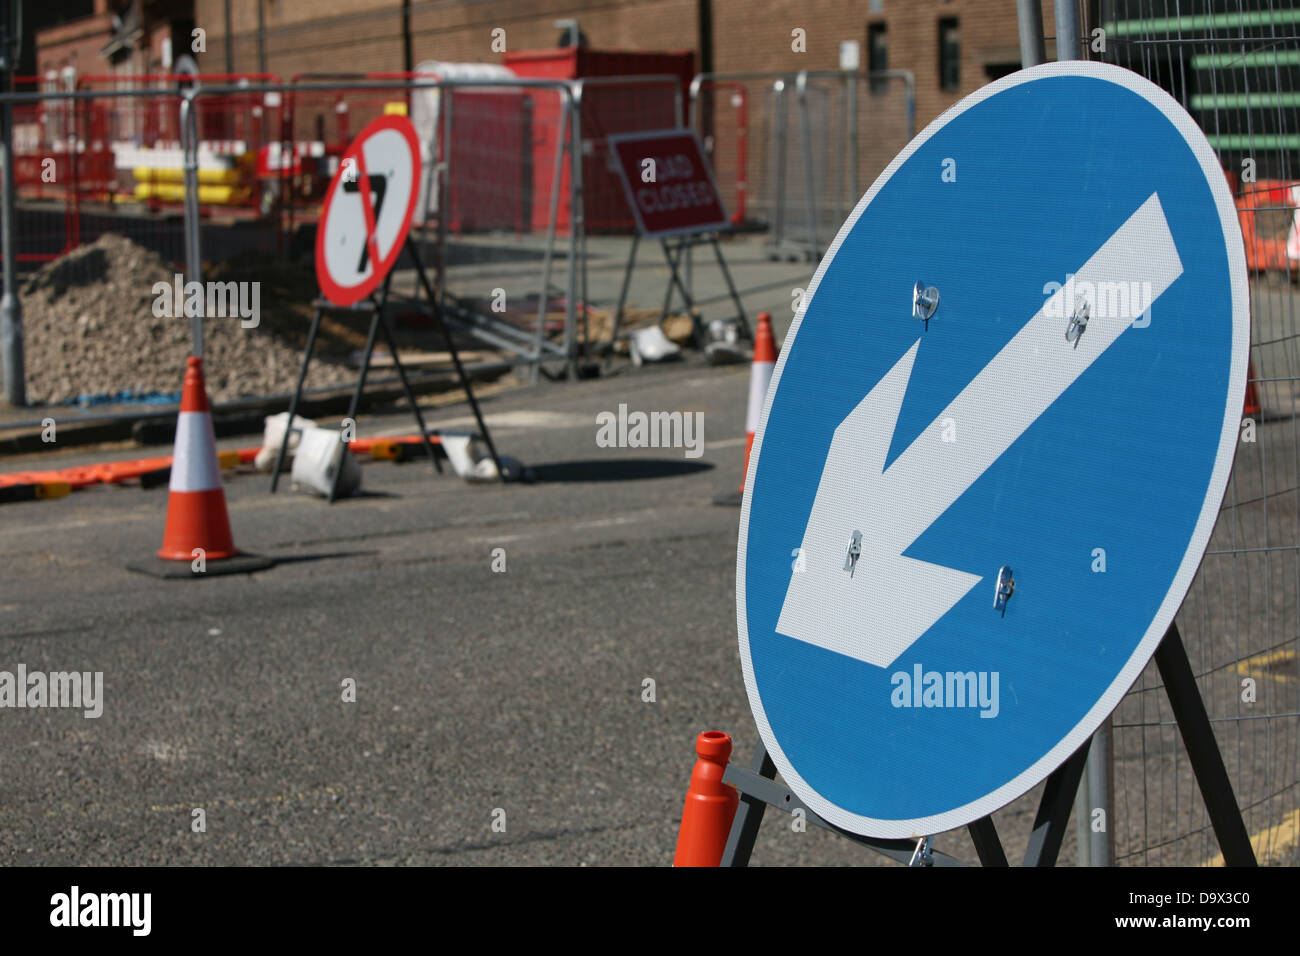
(952, 46)
(121, 37)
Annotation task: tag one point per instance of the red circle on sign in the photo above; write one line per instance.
(337, 289)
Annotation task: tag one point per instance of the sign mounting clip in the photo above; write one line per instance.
(925, 300)
(1006, 587)
(924, 853)
(855, 551)
(1078, 323)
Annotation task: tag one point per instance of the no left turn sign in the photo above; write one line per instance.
(367, 210)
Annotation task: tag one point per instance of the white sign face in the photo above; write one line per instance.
(367, 210)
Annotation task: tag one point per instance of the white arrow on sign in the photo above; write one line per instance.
(886, 603)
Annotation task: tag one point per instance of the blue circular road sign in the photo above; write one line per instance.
(993, 451)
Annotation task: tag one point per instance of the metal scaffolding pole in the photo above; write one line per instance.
(1068, 46)
(1033, 50)
(11, 307)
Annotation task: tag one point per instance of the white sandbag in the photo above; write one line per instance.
(273, 435)
(320, 453)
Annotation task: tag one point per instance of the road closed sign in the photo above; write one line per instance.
(367, 210)
(668, 183)
(993, 451)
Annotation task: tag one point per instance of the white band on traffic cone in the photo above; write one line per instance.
(194, 459)
(759, 379)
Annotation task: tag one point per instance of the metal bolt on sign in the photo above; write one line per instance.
(924, 853)
(1006, 587)
(1078, 323)
(925, 300)
(855, 552)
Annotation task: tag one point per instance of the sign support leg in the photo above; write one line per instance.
(1052, 818)
(731, 287)
(987, 845)
(1203, 750)
(297, 396)
(379, 305)
(410, 395)
(759, 790)
(749, 814)
(455, 357)
(674, 255)
(1054, 809)
(622, 294)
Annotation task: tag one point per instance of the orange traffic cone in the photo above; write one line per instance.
(196, 507)
(710, 804)
(198, 529)
(1252, 408)
(760, 377)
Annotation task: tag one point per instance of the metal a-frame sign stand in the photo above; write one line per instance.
(822, 388)
(376, 304)
(759, 790)
(660, 214)
(381, 164)
(674, 249)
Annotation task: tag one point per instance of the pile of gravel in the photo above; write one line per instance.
(89, 330)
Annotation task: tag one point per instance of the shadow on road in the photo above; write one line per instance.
(617, 469)
(297, 558)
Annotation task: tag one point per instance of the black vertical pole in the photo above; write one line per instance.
(261, 37)
(230, 41)
(11, 306)
(408, 57)
(705, 9)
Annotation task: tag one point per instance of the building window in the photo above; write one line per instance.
(949, 54)
(878, 55)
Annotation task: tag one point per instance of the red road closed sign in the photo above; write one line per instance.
(668, 183)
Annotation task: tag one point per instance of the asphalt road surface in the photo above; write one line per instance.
(481, 696)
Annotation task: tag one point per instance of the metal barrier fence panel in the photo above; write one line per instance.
(44, 173)
(610, 106)
(500, 195)
(1236, 68)
(794, 152)
(112, 161)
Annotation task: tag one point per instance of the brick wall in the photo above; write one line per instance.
(357, 36)
(365, 35)
(74, 44)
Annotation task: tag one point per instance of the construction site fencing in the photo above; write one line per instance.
(794, 152)
(111, 160)
(512, 170)
(1236, 69)
(45, 147)
(506, 199)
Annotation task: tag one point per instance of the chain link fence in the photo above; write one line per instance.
(1236, 68)
(794, 152)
